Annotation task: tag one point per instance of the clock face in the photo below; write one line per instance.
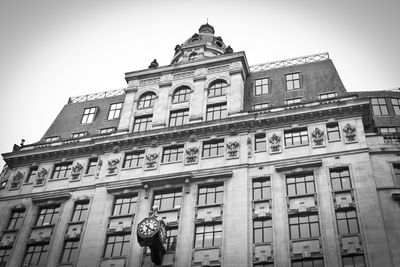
(148, 226)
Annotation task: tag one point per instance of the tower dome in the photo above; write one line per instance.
(200, 45)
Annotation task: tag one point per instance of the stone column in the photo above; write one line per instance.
(196, 101)
(160, 114)
(126, 120)
(236, 91)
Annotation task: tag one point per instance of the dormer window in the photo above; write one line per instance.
(193, 56)
(181, 95)
(147, 100)
(217, 88)
(88, 115)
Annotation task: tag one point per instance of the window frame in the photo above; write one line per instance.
(176, 96)
(89, 115)
(379, 107)
(293, 101)
(396, 105)
(341, 178)
(299, 225)
(91, 166)
(216, 111)
(134, 156)
(311, 260)
(261, 105)
(54, 215)
(124, 242)
(304, 181)
(346, 220)
(328, 95)
(220, 148)
(16, 221)
(71, 250)
(192, 56)
(32, 172)
(294, 82)
(175, 151)
(146, 100)
(265, 188)
(67, 170)
(216, 193)
(266, 230)
(83, 209)
(145, 120)
(259, 89)
(352, 259)
(217, 88)
(330, 132)
(115, 111)
(107, 130)
(179, 117)
(43, 253)
(52, 139)
(260, 138)
(214, 234)
(132, 204)
(291, 134)
(79, 134)
(165, 195)
(5, 253)
(396, 173)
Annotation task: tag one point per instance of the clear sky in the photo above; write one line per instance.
(53, 49)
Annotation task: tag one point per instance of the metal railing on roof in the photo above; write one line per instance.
(290, 62)
(83, 98)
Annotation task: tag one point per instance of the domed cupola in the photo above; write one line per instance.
(201, 45)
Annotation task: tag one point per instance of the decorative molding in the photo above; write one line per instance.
(318, 137)
(249, 147)
(41, 177)
(233, 149)
(275, 143)
(218, 69)
(350, 132)
(16, 180)
(76, 171)
(149, 81)
(112, 166)
(151, 161)
(183, 75)
(191, 155)
(298, 164)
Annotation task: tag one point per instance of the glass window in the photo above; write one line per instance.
(396, 171)
(308, 263)
(117, 245)
(35, 255)
(193, 56)
(62, 170)
(78, 135)
(147, 100)
(213, 148)
(181, 94)
(107, 130)
(48, 215)
(52, 139)
(80, 211)
(16, 219)
(210, 194)
(88, 115)
(396, 105)
(217, 111)
(260, 142)
(262, 231)
(347, 222)
(300, 184)
(296, 137)
(379, 106)
(179, 117)
(292, 101)
(70, 251)
(133, 159)
(125, 205)
(340, 179)
(261, 86)
(171, 239)
(172, 154)
(115, 111)
(261, 105)
(168, 200)
(386, 130)
(292, 81)
(353, 261)
(208, 236)
(92, 166)
(4, 256)
(217, 88)
(262, 188)
(142, 123)
(333, 132)
(31, 175)
(304, 226)
(327, 95)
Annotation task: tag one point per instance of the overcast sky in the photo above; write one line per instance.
(51, 50)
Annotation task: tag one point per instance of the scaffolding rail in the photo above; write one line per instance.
(83, 98)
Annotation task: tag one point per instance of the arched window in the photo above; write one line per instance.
(181, 94)
(217, 88)
(147, 100)
(193, 56)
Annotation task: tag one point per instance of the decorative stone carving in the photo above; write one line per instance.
(154, 143)
(192, 138)
(236, 65)
(16, 180)
(192, 155)
(151, 160)
(318, 137)
(76, 171)
(112, 166)
(116, 149)
(183, 75)
(99, 164)
(218, 69)
(149, 81)
(201, 71)
(41, 176)
(134, 83)
(275, 143)
(233, 149)
(166, 77)
(349, 132)
(249, 147)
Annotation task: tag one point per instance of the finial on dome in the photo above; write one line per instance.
(206, 28)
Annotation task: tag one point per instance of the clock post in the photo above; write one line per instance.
(151, 233)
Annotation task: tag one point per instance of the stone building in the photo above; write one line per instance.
(268, 165)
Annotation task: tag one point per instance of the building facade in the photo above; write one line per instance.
(268, 165)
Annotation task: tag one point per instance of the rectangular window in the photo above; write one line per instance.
(16, 219)
(261, 105)
(171, 239)
(304, 226)
(396, 171)
(142, 123)
(179, 117)
(296, 137)
(261, 86)
(168, 200)
(208, 236)
(379, 106)
(213, 148)
(292, 81)
(210, 194)
(70, 251)
(327, 95)
(52, 139)
(133, 159)
(347, 222)
(262, 188)
(80, 211)
(333, 132)
(353, 261)
(396, 105)
(260, 142)
(172, 154)
(48, 215)
(36, 255)
(308, 263)
(92, 166)
(31, 175)
(340, 179)
(78, 135)
(292, 101)
(300, 184)
(4, 256)
(262, 231)
(117, 245)
(62, 170)
(125, 205)
(217, 111)
(88, 115)
(107, 130)
(388, 130)
(115, 111)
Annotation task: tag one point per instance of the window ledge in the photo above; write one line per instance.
(211, 157)
(335, 140)
(210, 205)
(170, 162)
(305, 239)
(303, 195)
(342, 190)
(261, 200)
(60, 179)
(43, 226)
(131, 168)
(260, 151)
(121, 216)
(28, 183)
(88, 174)
(294, 146)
